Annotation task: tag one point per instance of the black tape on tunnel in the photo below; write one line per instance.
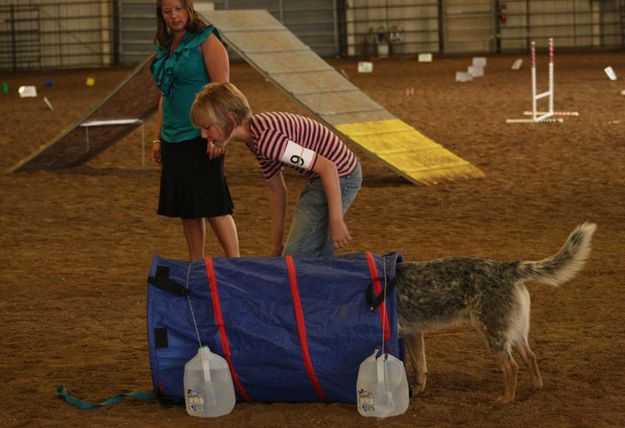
(375, 301)
(164, 282)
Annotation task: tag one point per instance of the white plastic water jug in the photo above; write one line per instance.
(208, 387)
(382, 387)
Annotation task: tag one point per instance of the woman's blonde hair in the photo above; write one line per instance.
(220, 104)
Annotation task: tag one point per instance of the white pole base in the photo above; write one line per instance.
(555, 113)
(546, 120)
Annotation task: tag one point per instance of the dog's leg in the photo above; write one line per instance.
(510, 371)
(416, 349)
(530, 361)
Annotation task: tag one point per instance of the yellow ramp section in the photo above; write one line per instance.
(409, 152)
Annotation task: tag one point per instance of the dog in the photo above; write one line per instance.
(490, 294)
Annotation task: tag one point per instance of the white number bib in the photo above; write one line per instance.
(298, 156)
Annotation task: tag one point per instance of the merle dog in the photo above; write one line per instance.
(490, 294)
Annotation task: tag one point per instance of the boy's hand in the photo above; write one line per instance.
(276, 251)
(214, 151)
(339, 234)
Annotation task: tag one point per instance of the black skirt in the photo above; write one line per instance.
(192, 184)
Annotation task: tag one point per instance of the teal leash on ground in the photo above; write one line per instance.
(61, 392)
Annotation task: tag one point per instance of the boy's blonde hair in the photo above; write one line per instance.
(221, 105)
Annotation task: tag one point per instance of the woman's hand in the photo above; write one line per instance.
(156, 152)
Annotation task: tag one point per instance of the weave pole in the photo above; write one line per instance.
(543, 116)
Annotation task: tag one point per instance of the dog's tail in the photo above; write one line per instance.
(566, 263)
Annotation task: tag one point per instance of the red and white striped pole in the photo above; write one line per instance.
(534, 99)
(551, 90)
(543, 116)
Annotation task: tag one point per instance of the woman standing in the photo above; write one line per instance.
(193, 187)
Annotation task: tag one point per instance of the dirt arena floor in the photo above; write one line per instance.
(76, 245)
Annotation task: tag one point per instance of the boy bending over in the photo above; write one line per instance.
(223, 114)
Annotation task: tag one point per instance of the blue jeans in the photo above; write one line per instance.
(309, 234)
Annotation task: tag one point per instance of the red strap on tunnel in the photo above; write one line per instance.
(377, 288)
(301, 330)
(219, 320)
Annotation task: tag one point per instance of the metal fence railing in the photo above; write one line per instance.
(92, 33)
(395, 28)
(56, 35)
(574, 23)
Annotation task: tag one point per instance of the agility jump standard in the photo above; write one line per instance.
(543, 116)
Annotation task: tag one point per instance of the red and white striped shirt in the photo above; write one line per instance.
(271, 132)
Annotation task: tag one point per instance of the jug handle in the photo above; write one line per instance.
(211, 398)
(380, 366)
(383, 378)
(206, 369)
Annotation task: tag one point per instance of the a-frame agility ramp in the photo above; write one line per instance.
(283, 59)
(291, 65)
(119, 113)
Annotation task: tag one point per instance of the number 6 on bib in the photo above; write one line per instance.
(298, 156)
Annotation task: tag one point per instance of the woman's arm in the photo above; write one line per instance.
(218, 67)
(216, 59)
(329, 176)
(156, 145)
(277, 202)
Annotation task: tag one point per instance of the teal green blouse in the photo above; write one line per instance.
(180, 75)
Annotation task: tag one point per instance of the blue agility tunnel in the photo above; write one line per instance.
(292, 329)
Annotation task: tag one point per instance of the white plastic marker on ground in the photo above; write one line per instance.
(365, 67)
(462, 77)
(475, 71)
(610, 72)
(48, 103)
(425, 57)
(27, 91)
(479, 61)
